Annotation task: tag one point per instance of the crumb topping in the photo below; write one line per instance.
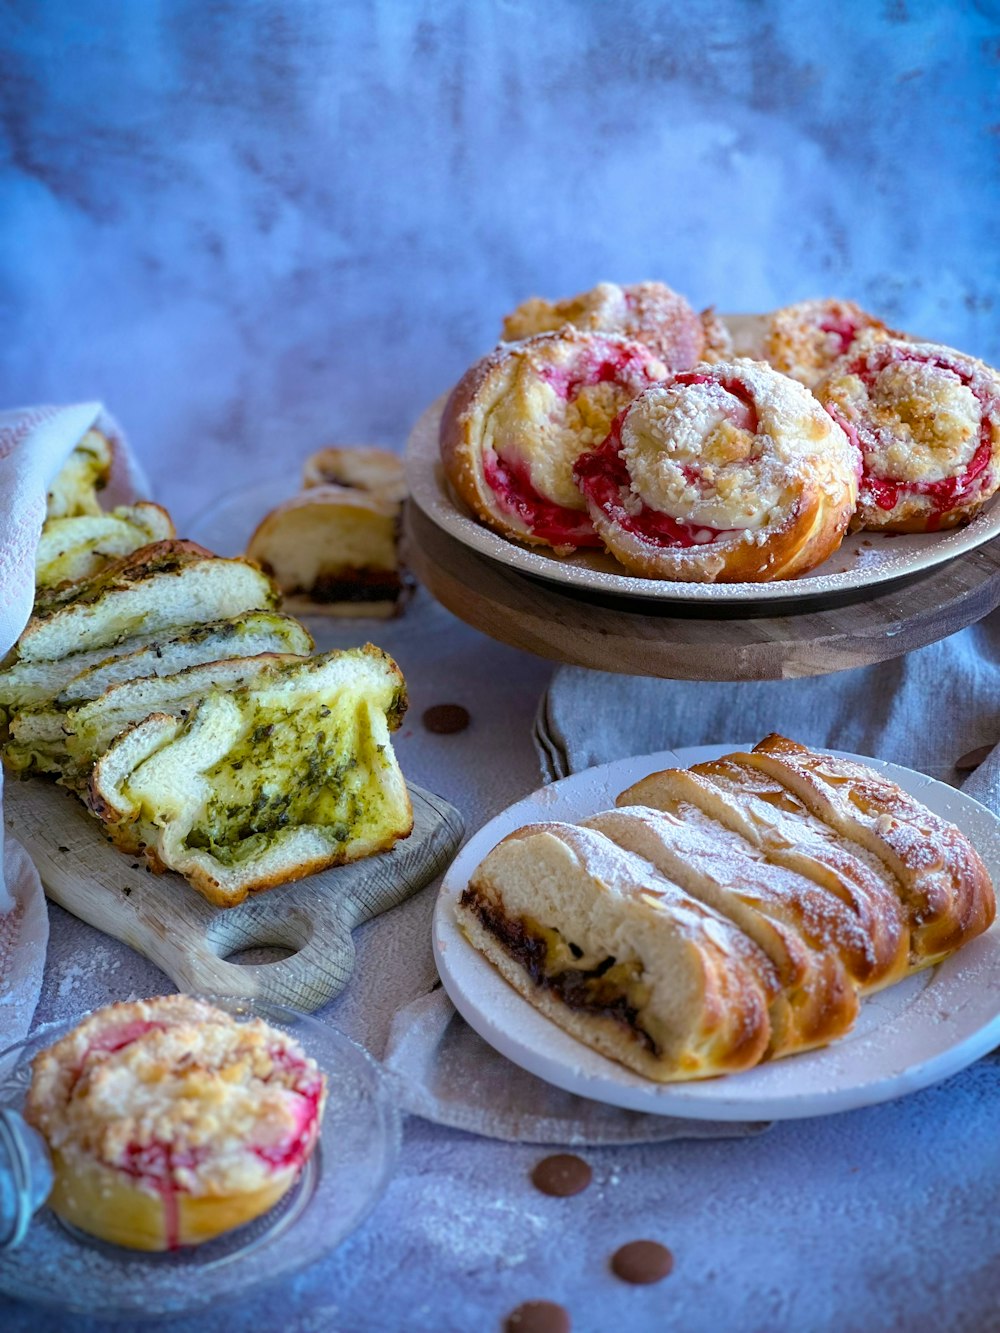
(177, 1094)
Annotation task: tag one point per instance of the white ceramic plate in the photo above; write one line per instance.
(864, 561)
(914, 1034)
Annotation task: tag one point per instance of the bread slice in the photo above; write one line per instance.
(266, 783)
(68, 741)
(618, 955)
(158, 586)
(333, 550)
(798, 927)
(76, 548)
(81, 676)
(944, 887)
(361, 467)
(84, 473)
(781, 829)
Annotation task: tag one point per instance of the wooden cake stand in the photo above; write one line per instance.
(611, 634)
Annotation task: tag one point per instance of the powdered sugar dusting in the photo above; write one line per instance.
(864, 560)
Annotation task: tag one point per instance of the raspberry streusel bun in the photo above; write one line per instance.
(648, 312)
(170, 1123)
(927, 421)
(729, 472)
(519, 419)
(804, 340)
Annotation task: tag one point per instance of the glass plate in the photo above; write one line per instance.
(59, 1266)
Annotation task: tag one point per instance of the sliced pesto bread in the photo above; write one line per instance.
(71, 549)
(84, 473)
(164, 584)
(267, 783)
(81, 676)
(68, 741)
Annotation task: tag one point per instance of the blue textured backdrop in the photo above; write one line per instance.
(253, 226)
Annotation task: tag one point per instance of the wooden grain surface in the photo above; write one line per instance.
(164, 919)
(611, 635)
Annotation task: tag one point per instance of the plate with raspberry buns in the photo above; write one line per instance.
(198, 1145)
(621, 445)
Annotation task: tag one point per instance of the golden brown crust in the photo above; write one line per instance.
(506, 412)
(729, 473)
(944, 886)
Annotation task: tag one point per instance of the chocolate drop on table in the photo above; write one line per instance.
(561, 1175)
(445, 719)
(538, 1317)
(974, 758)
(642, 1262)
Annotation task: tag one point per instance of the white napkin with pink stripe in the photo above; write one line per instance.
(34, 444)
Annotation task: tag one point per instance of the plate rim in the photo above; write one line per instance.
(600, 1078)
(431, 495)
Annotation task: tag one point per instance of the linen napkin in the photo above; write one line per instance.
(926, 710)
(34, 444)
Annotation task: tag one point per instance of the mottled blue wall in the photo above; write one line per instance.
(254, 226)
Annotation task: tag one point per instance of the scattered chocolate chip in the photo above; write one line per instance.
(126, 890)
(538, 1317)
(445, 719)
(64, 849)
(135, 865)
(642, 1261)
(561, 1175)
(974, 758)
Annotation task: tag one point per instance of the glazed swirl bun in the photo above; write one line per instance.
(170, 1123)
(519, 419)
(648, 312)
(927, 421)
(805, 340)
(725, 473)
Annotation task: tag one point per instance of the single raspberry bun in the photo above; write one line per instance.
(927, 422)
(519, 419)
(648, 312)
(805, 340)
(170, 1123)
(726, 473)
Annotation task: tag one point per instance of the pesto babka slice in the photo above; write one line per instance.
(266, 783)
(68, 741)
(71, 549)
(619, 955)
(163, 584)
(70, 680)
(85, 472)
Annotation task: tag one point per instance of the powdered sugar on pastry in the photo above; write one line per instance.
(728, 471)
(927, 421)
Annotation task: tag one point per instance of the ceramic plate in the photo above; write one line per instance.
(907, 1037)
(58, 1266)
(865, 560)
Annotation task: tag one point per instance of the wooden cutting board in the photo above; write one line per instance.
(164, 919)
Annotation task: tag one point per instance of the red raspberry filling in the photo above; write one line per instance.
(846, 330)
(945, 494)
(603, 477)
(510, 478)
(510, 482)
